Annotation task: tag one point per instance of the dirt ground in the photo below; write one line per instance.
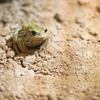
(69, 68)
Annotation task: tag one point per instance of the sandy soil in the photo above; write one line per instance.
(69, 68)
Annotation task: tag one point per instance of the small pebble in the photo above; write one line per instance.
(10, 54)
(59, 16)
(27, 9)
(42, 55)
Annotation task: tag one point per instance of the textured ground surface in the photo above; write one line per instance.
(69, 69)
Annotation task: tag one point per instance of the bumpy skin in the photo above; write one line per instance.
(31, 36)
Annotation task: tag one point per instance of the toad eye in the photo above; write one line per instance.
(33, 32)
(45, 30)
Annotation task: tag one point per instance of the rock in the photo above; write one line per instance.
(59, 16)
(27, 9)
(93, 39)
(39, 64)
(42, 55)
(80, 22)
(10, 54)
(84, 36)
